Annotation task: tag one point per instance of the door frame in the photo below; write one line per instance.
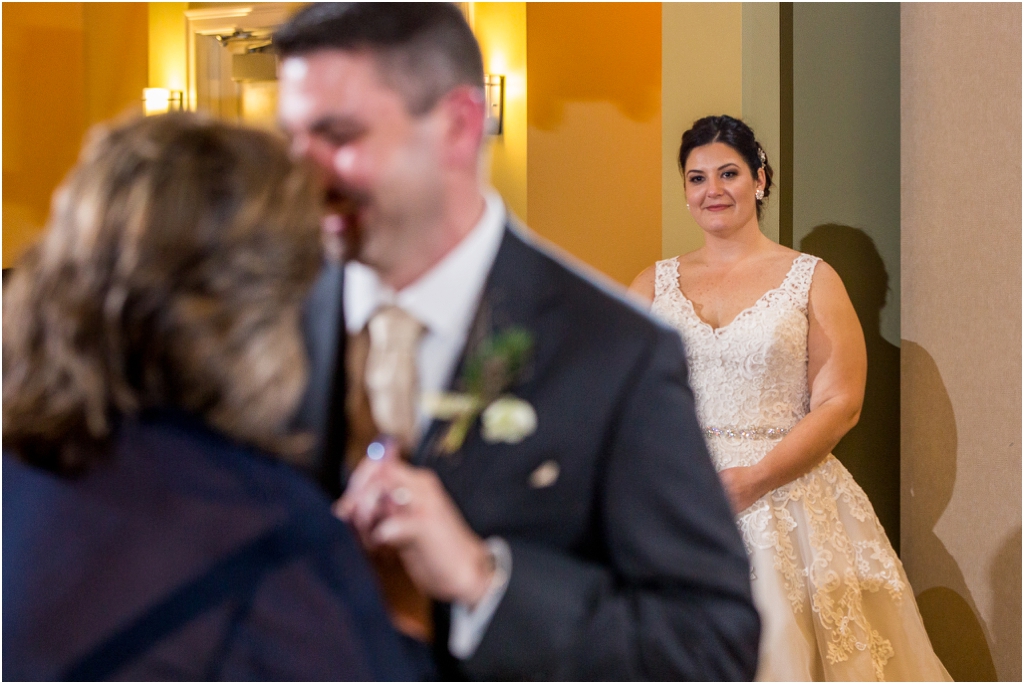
(220, 20)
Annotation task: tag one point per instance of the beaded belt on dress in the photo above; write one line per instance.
(745, 432)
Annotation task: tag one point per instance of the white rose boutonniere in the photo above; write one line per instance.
(508, 419)
(489, 371)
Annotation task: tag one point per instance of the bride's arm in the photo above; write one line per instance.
(836, 373)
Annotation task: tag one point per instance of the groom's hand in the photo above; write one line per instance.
(391, 503)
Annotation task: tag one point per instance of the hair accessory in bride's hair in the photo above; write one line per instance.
(762, 156)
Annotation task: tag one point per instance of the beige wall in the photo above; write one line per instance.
(761, 94)
(701, 74)
(961, 324)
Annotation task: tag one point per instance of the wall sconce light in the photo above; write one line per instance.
(494, 97)
(161, 101)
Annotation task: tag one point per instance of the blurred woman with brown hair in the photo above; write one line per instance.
(152, 359)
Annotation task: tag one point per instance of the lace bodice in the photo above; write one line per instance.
(749, 376)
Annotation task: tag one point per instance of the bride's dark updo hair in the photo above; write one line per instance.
(735, 134)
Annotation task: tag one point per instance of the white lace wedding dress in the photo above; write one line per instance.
(834, 600)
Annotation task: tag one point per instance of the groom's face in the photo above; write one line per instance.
(379, 164)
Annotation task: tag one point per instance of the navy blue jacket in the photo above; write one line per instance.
(185, 556)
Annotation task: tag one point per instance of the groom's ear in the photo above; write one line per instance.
(464, 111)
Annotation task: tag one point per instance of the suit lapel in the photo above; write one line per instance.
(518, 293)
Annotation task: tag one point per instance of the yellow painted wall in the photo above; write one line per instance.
(501, 29)
(594, 137)
(702, 74)
(66, 66)
(43, 112)
(116, 52)
(167, 45)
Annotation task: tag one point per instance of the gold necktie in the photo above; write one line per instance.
(391, 380)
(381, 369)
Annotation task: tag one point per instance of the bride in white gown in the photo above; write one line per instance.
(777, 364)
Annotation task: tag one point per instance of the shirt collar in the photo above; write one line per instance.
(445, 298)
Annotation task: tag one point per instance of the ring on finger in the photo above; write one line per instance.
(401, 496)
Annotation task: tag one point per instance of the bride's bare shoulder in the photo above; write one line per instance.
(690, 260)
(779, 259)
(783, 253)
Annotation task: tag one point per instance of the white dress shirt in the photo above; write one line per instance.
(445, 301)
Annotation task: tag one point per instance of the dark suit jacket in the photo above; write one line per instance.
(184, 557)
(629, 565)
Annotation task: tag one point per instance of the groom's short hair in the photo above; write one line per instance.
(422, 50)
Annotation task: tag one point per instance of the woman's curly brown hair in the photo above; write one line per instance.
(171, 275)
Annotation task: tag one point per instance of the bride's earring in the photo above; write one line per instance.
(687, 205)
(759, 195)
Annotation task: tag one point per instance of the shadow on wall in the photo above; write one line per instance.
(948, 610)
(871, 450)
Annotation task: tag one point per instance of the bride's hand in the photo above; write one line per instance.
(742, 486)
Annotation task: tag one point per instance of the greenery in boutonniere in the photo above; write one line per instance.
(490, 370)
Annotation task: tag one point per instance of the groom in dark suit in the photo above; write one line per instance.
(549, 511)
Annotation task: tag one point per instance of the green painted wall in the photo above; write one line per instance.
(846, 123)
(846, 206)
